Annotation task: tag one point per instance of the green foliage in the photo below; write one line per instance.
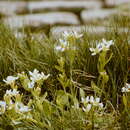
(74, 74)
(62, 112)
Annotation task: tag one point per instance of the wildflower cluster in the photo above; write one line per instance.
(35, 77)
(13, 98)
(89, 102)
(67, 38)
(102, 46)
(13, 92)
(126, 88)
(12, 102)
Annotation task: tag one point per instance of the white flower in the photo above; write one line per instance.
(100, 105)
(85, 100)
(126, 88)
(20, 107)
(31, 84)
(10, 79)
(96, 50)
(36, 76)
(91, 99)
(13, 92)
(97, 100)
(102, 46)
(88, 108)
(107, 44)
(2, 107)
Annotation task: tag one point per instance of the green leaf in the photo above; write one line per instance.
(47, 108)
(62, 98)
(125, 100)
(82, 93)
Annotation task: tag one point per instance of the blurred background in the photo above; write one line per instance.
(51, 17)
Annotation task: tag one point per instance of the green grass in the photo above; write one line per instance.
(25, 54)
(17, 55)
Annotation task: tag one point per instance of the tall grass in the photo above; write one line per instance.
(24, 54)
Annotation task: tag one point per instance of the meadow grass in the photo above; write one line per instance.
(25, 54)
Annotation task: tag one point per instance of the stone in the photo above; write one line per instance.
(62, 5)
(112, 3)
(8, 8)
(37, 20)
(97, 14)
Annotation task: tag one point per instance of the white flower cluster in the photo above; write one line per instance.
(8, 104)
(64, 43)
(36, 76)
(89, 102)
(13, 92)
(102, 46)
(12, 97)
(126, 88)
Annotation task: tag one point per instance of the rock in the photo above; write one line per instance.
(91, 15)
(62, 5)
(37, 20)
(56, 32)
(11, 8)
(112, 3)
